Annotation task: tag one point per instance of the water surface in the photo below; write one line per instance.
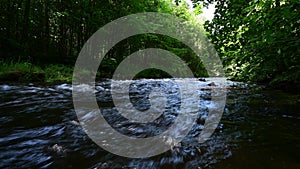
(259, 128)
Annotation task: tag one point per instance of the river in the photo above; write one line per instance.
(259, 128)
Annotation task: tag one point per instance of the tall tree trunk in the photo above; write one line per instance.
(9, 17)
(47, 30)
(25, 30)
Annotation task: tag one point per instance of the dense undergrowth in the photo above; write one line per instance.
(28, 72)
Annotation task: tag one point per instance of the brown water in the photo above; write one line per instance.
(259, 129)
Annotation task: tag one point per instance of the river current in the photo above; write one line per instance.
(259, 128)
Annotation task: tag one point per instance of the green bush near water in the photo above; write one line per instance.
(25, 67)
(28, 72)
(58, 73)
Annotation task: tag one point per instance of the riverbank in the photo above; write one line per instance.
(57, 73)
(28, 72)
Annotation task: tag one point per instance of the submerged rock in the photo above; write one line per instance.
(212, 84)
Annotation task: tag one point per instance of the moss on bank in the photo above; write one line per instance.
(27, 72)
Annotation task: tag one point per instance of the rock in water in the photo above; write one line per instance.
(212, 84)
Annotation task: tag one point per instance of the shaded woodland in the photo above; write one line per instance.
(258, 41)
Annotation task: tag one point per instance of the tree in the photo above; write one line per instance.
(257, 40)
(45, 32)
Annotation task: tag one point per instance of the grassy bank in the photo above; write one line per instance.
(27, 72)
(57, 73)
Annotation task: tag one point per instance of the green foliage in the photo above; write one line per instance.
(21, 72)
(48, 32)
(27, 72)
(19, 67)
(257, 40)
(58, 73)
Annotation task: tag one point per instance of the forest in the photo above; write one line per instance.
(257, 41)
(56, 114)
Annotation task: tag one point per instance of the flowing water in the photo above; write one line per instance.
(259, 128)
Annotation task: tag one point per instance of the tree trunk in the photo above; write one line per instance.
(25, 30)
(47, 29)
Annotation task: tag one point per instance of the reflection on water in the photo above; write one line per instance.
(259, 129)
